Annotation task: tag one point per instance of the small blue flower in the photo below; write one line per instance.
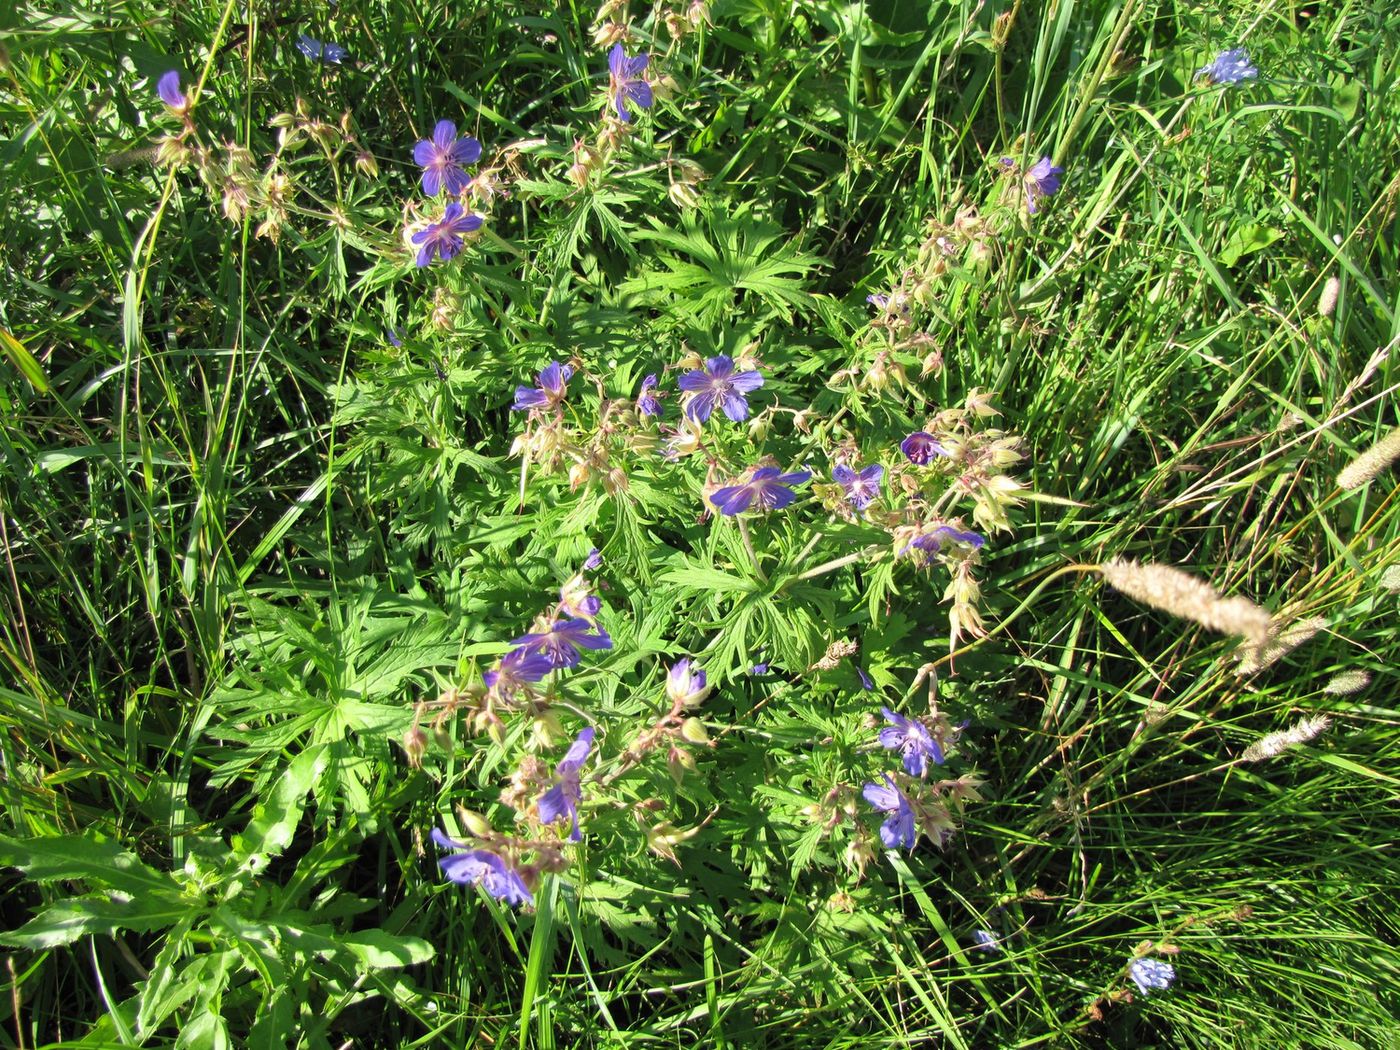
(332, 54)
(626, 82)
(394, 338)
(553, 380)
(899, 830)
(560, 644)
(168, 88)
(987, 940)
(1229, 67)
(718, 381)
(861, 489)
(911, 739)
(1042, 180)
(482, 868)
(442, 158)
(866, 682)
(1151, 975)
(444, 237)
(515, 670)
(768, 487)
(933, 539)
(594, 561)
(647, 402)
(920, 447)
(562, 800)
(686, 685)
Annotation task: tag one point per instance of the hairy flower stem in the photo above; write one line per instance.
(748, 542)
(831, 566)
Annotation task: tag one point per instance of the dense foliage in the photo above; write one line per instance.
(631, 526)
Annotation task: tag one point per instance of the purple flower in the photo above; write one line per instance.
(514, 670)
(866, 682)
(758, 669)
(560, 644)
(566, 794)
(685, 684)
(933, 541)
(444, 237)
(1042, 180)
(899, 830)
(768, 487)
(594, 561)
(168, 88)
(1151, 975)
(1229, 67)
(987, 940)
(393, 335)
(647, 402)
(860, 488)
(718, 381)
(912, 739)
(482, 868)
(333, 54)
(626, 83)
(553, 380)
(920, 447)
(442, 157)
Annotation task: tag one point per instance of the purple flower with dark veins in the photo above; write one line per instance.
(912, 739)
(515, 671)
(1042, 180)
(560, 644)
(860, 488)
(442, 158)
(1229, 67)
(444, 237)
(768, 488)
(718, 382)
(647, 402)
(480, 867)
(626, 82)
(168, 88)
(898, 831)
(564, 797)
(312, 48)
(920, 447)
(551, 389)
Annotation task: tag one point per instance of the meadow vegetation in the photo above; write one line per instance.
(782, 523)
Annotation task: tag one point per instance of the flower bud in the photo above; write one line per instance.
(415, 745)
(694, 731)
(686, 687)
(679, 762)
(366, 165)
(476, 824)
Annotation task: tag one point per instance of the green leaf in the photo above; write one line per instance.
(22, 359)
(274, 821)
(65, 922)
(89, 858)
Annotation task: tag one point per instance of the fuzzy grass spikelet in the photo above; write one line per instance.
(1370, 463)
(1346, 683)
(1275, 744)
(1278, 644)
(1173, 591)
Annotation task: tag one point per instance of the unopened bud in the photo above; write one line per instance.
(415, 745)
(694, 731)
(366, 164)
(679, 762)
(476, 824)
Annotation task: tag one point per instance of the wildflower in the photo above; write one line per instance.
(564, 797)
(594, 561)
(553, 380)
(685, 684)
(920, 447)
(1229, 67)
(395, 339)
(480, 867)
(333, 54)
(860, 488)
(168, 88)
(912, 739)
(626, 82)
(1151, 974)
(444, 237)
(898, 831)
(1041, 180)
(758, 670)
(576, 600)
(933, 540)
(442, 157)
(866, 682)
(514, 670)
(560, 644)
(768, 487)
(647, 402)
(987, 940)
(718, 381)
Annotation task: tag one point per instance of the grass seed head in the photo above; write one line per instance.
(1371, 462)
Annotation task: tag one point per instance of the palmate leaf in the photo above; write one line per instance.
(719, 262)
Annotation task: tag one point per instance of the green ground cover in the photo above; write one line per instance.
(296, 451)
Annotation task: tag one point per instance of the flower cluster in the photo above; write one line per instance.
(914, 804)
